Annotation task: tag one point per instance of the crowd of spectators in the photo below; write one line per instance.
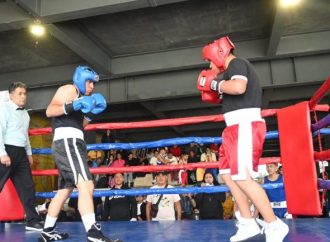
(170, 207)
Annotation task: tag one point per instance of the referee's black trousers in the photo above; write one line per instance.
(20, 173)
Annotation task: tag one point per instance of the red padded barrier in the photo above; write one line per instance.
(298, 162)
(11, 207)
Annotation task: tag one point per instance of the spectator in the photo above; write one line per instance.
(129, 177)
(120, 207)
(192, 174)
(162, 157)
(209, 156)
(175, 150)
(183, 174)
(153, 159)
(141, 207)
(107, 138)
(172, 160)
(277, 195)
(169, 203)
(188, 205)
(209, 205)
(119, 162)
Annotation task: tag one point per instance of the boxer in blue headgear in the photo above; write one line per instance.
(72, 107)
(83, 74)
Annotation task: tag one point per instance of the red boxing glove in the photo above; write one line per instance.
(204, 83)
(207, 81)
(210, 97)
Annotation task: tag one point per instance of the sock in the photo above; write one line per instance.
(88, 220)
(50, 222)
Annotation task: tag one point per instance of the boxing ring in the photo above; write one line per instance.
(296, 133)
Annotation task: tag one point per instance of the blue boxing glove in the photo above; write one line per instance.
(100, 103)
(85, 104)
(100, 106)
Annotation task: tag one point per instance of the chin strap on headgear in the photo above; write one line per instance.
(218, 51)
(83, 74)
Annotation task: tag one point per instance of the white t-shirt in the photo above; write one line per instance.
(166, 206)
(173, 160)
(213, 157)
(153, 161)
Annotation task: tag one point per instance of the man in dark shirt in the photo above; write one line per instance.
(243, 138)
(73, 107)
(120, 207)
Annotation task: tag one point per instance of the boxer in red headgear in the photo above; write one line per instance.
(217, 52)
(243, 138)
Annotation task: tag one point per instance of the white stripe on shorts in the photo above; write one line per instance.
(68, 153)
(81, 164)
(244, 149)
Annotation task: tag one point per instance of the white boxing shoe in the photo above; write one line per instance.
(247, 228)
(275, 231)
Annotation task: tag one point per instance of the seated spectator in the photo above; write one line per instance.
(277, 195)
(141, 207)
(119, 207)
(153, 159)
(183, 174)
(192, 174)
(215, 149)
(162, 157)
(209, 156)
(172, 160)
(175, 150)
(119, 162)
(168, 203)
(209, 205)
(195, 147)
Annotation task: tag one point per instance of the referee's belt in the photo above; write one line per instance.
(278, 204)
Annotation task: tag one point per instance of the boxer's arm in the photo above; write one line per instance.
(64, 94)
(233, 87)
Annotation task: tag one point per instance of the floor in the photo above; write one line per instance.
(301, 230)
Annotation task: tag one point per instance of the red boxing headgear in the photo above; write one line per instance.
(218, 51)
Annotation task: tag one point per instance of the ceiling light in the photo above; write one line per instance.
(289, 3)
(37, 29)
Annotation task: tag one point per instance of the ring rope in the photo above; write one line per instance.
(160, 143)
(148, 191)
(164, 122)
(150, 168)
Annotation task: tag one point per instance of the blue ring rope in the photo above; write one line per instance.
(148, 191)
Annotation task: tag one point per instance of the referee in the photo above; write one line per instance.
(15, 152)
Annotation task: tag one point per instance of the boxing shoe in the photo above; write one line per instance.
(94, 234)
(34, 226)
(247, 228)
(50, 234)
(275, 231)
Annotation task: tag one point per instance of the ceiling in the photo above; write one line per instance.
(148, 54)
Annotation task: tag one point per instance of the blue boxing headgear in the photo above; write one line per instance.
(83, 74)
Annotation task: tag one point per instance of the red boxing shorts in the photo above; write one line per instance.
(242, 143)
